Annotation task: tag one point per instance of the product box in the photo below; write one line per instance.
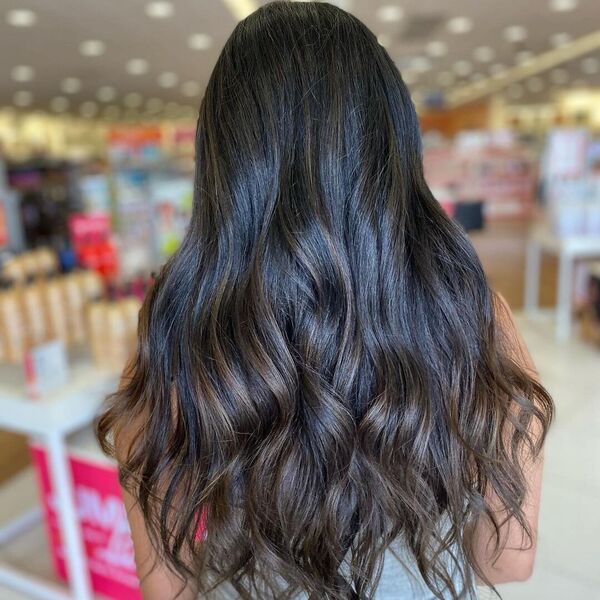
(102, 517)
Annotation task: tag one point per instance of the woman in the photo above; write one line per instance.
(327, 400)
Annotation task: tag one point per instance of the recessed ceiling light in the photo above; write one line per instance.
(535, 84)
(446, 78)
(559, 76)
(460, 25)
(384, 40)
(22, 73)
(70, 85)
(160, 9)
(462, 68)
(106, 93)
(484, 54)
(23, 98)
(590, 65)
(191, 89)
(154, 104)
(436, 48)
(420, 64)
(200, 41)
(558, 40)
(133, 100)
(390, 13)
(524, 57)
(88, 109)
(515, 33)
(168, 79)
(563, 5)
(92, 48)
(59, 104)
(21, 17)
(137, 66)
(515, 91)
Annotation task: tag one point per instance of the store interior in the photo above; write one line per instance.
(98, 106)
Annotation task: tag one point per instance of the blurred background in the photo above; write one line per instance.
(98, 102)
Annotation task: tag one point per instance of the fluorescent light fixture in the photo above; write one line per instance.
(21, 17)
(436, 48)
(160, 9)
(515, 33)
(459, 25)
(92, 48)
(563, 5)
(22, 73)
(200, 41)
(390, 13)
(137, 66)
(240, 9)
(168, 79)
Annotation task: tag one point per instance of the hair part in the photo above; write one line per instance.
(320, 370)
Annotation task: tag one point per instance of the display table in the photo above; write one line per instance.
(50, 419)
(568, 250)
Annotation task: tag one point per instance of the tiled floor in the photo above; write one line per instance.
(568, 560)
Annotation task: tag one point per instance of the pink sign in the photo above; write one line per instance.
(103, 522)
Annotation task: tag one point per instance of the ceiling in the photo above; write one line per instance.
(43, 67)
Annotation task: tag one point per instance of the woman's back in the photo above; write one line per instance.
(320, 370)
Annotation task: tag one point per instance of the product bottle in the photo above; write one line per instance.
(12, 323)
(131, 309)
(117, 336)
(96, 321)
(75, 308)
(56, 310)
(91, 284)
(34, 313)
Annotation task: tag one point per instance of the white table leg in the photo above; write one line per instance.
(564, 297)
(67, 515)
(533, 262)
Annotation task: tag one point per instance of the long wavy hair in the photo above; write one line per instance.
(319, 369)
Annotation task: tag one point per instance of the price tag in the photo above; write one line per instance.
(46, 368)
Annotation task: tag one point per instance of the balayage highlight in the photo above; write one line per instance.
(320, 371)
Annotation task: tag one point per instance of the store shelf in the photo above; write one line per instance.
(64, 410)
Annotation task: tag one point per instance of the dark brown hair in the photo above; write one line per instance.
(319, 369)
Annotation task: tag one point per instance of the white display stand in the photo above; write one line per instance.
(50, 419)
(568, 250)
